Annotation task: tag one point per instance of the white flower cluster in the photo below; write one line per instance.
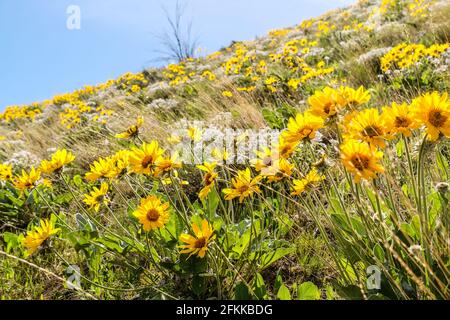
(372, 55)
(23, 159)
(165, 104)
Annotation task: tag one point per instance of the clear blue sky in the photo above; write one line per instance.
(40, 57)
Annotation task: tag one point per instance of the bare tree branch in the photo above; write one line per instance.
(177, 40)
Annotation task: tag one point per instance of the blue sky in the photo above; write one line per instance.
(40, 57)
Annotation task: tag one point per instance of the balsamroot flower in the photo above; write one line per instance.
(399, 119)
(208, 179)
(349, 97)
(199, 243)
(117, 164)
(433, 111)
(367, 126)
(194, 133)
(227, 94)
(59, 159)
(38, 234)
(132, 131)
(99, 169)
(27, 180)
(286, 149)
(144, 159)
(167, 164)
(97, 197)
(324, 103)
(361, 159)
(303, 126)
(5, 172)
(152, 213)
(307, 183)
(243, 186)
(280, 170)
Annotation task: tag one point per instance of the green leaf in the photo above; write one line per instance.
(17, 201)
(285, 224)
(400, 147)
(78, 181)
(283, 293)
(330, 292)
(172, 229)
(335, 205)
(112, 244)
(217, 223)
(241, 292)
(352, 268)
(12, 241)
(340, 221)
(272, 119)
(415, 225)
(85, 224)
(378, 252)
(193, 264)
(351, 292)
(213, 202)
(268, 258)
(278, 282)
(244, 240)
(358, 226)
(198, 285)
(259, 287)
(155, 187)
(405, 189)
(308, 291)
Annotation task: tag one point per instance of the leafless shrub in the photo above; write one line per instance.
(177, 40)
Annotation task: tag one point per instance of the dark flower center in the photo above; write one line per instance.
(200, 243)
(436, 118)
(147, 161)
(327, 107)
(306, 132)
(208, 179)
(152, 215)
(360, 162)
(243, 188)
(402, 122)
(133, 131)
(372, 131)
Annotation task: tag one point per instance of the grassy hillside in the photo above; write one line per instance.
(310, 163)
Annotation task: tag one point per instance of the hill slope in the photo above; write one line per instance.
(356, 103)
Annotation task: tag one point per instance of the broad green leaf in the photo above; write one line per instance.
(242, 244)
(278, 282)
(212, 203)
(283, 293)
(78, 181)
(378, 252)
(241, 292)
(198, 285)
(400, 148)
(308, 291)
(329, 292)
(259, 287)
(12, 241)
(268, 258)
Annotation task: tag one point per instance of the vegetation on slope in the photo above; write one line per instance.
(351, 202)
